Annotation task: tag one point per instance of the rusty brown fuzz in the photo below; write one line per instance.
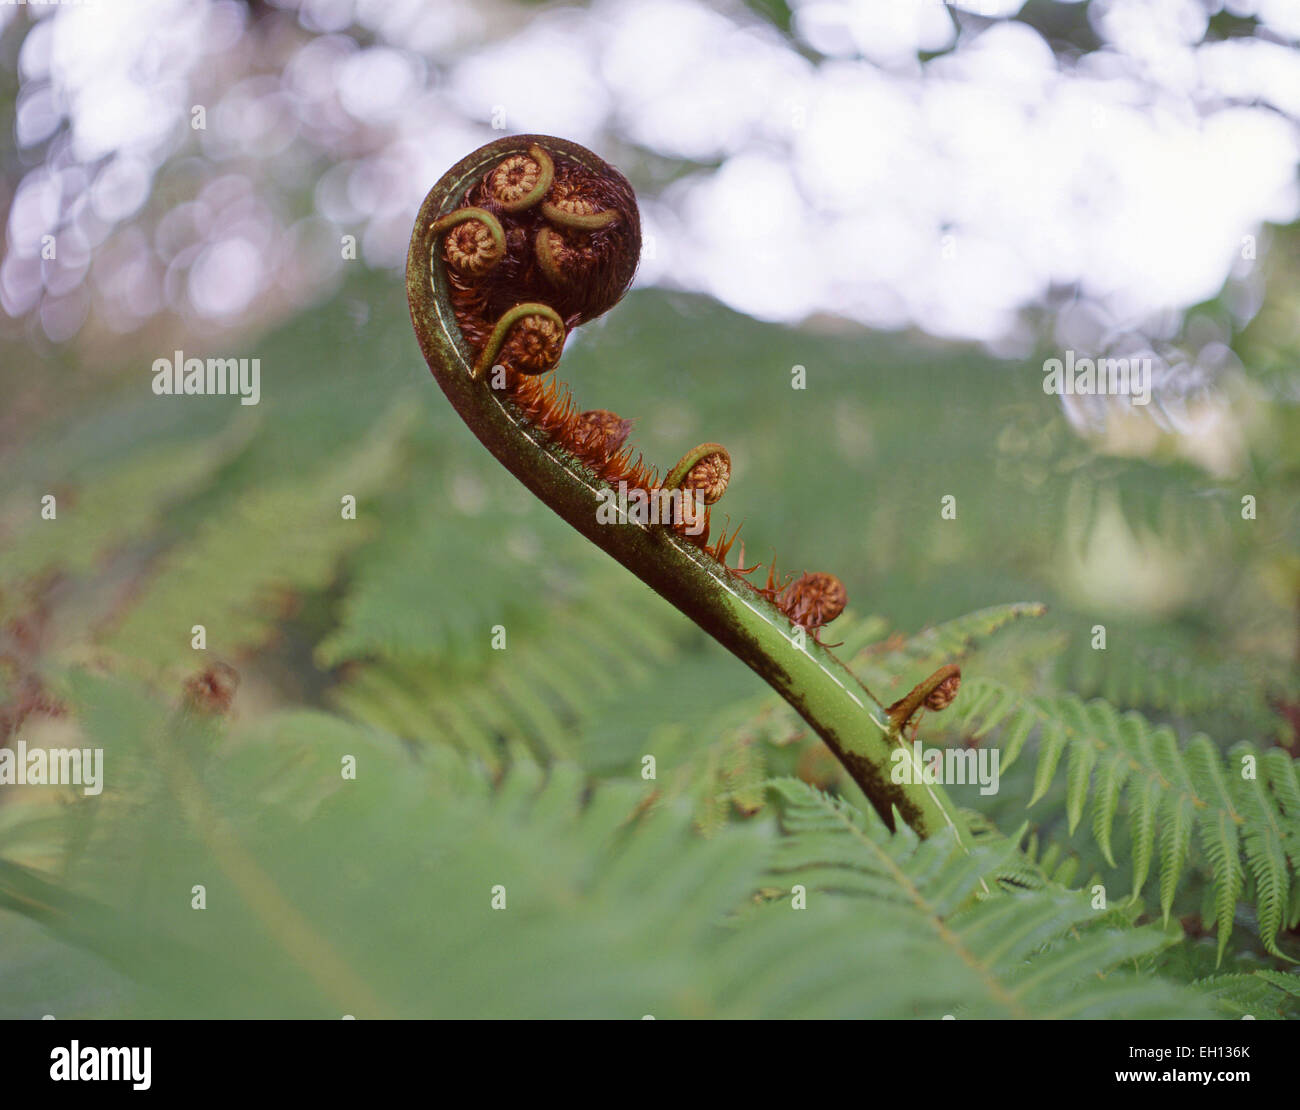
(814, 599)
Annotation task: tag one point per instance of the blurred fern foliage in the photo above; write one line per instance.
(394, 818)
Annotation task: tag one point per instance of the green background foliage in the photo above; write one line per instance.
(371, 638)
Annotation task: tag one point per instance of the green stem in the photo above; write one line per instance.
(819, 687)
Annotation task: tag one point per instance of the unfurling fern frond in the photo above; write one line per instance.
(987, 952)
(1244, 813)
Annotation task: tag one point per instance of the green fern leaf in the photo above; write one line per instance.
(1078, 777)
(1266, 841)
(1110, 781)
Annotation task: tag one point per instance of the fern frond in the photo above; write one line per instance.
(1246, 812)
(323, 890)
(290, 534)
(558, 671)
(94, 515)
(1268, 995)
(1272, 833)
(1037, 953)
(1175, 671)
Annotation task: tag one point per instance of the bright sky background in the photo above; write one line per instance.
(952, 195)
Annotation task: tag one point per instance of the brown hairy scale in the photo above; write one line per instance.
(571, 253)
(604, 428)
(814, 600)
(570, 194)
(687, 517)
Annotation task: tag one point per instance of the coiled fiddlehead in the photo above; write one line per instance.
(492, 327)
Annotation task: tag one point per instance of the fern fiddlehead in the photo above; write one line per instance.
(492, 327)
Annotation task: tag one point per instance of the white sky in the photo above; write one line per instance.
(948, 195)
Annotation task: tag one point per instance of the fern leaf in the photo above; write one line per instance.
(1266, 845)
(1110, 781)
(1261, 994)
(102, 512)
(1142, 816)
(561, 668)
(1078, 778)
(1175, 839)
(1051, 747)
